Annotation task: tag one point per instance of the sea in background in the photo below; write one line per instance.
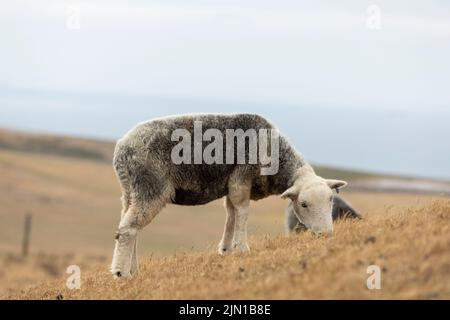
(383, 141)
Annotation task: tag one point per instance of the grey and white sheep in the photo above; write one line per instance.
(150, 178)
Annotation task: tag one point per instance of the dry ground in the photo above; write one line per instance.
(411, 246)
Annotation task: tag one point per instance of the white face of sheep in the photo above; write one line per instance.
(313, 203)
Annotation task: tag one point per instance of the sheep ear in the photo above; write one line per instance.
(291, 193)
(336, 184)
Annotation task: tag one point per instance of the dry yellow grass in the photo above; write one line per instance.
(411, 246)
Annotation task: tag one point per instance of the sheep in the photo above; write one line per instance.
(155, 166)
(341, 210)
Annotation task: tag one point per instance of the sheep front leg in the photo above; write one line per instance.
(240, 236)
(239, 195)
(225, 244)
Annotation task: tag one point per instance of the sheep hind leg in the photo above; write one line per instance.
(126, 202)
(134, 269)
(139, 215)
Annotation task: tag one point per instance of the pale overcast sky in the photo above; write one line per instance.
(296, 52)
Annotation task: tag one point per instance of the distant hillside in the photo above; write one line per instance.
(56, 145)
(103, 150)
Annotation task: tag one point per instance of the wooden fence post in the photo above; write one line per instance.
(26, 235)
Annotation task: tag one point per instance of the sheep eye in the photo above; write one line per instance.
(304, 205)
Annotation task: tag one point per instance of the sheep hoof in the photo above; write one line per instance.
(117, 274)
(223, 250)
(120, 275)
(241, 247)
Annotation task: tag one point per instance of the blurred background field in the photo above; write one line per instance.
(69, 188)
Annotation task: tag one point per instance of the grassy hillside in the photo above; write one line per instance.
(74, 201)
(412, 248)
